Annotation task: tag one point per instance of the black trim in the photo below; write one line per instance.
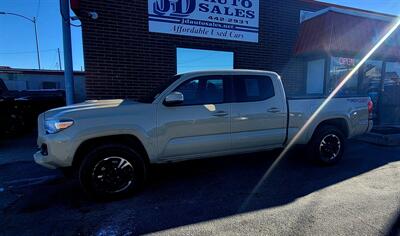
(287, 121)
(229, 96)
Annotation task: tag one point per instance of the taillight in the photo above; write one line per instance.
(370, 106)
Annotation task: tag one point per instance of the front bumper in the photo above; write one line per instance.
(56, 150)
(43, 160)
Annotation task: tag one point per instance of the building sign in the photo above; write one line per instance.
(347, 61)
(220, 19)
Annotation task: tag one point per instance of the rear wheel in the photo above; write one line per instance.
(112, 171)
(327, 145)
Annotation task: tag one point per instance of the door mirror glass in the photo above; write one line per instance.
(174, 98)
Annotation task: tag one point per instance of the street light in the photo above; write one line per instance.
(33, 20)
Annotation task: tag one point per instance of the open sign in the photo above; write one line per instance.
(347, 61)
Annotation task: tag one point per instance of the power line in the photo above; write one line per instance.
(27, 52)
(54, 58)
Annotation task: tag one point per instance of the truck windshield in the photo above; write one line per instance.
(149, 98)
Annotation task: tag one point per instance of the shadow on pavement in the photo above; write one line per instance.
(395, 228)
(189, 192)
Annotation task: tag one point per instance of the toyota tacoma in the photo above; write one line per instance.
(109, 144)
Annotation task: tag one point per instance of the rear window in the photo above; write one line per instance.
(250, 88)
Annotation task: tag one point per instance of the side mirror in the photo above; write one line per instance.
(173, 98)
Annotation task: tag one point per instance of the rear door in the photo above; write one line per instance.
(258, 119)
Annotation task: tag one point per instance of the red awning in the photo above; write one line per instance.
(336, 32)
(75, 4)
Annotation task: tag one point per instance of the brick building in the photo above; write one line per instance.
(125, 56)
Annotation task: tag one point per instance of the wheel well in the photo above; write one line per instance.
(126, 139)
(339, 123)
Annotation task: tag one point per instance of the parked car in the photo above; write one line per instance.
(110, 143)
(20, 109)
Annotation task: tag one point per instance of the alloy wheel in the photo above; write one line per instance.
(330, 147)
(113, 174)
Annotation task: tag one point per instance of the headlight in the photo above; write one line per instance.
(54, 126)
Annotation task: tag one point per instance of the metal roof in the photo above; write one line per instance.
(344, 32)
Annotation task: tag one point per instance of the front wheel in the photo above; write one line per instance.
(112, 171)
(327, 145)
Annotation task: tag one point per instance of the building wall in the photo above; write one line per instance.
(124, 59)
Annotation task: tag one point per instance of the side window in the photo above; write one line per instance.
(203, 90)
(252, 88)
(189, 90)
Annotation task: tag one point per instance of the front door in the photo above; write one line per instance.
(199, 126)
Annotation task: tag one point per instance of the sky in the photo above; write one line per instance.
(195, 59)
(17, 36)
(17, 42)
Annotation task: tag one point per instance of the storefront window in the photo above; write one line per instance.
(392, 75)
(340, 67)
(371, 82)
(372, 74)
(195, 59)
(315, 76)
(390, 98)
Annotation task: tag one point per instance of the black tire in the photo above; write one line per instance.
(112, 171)
(331, 151)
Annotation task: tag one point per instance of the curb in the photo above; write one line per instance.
(381, 139)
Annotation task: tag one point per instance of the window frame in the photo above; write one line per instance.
(233, 95)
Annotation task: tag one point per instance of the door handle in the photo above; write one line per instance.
(220, 113)
(274, 110)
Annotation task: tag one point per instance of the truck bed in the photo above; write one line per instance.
(353, 110)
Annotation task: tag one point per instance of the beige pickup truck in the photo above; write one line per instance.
(109, 144)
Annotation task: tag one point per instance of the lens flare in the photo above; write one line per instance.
(317, 111)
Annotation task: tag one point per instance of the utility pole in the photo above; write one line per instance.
(68, 69)
(37, 42)
(59, 58)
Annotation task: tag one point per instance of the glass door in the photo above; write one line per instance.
(370, 84)
(389, 107)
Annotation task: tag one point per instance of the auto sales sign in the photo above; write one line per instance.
(220, 19)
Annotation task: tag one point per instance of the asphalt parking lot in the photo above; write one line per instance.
(359, 196)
